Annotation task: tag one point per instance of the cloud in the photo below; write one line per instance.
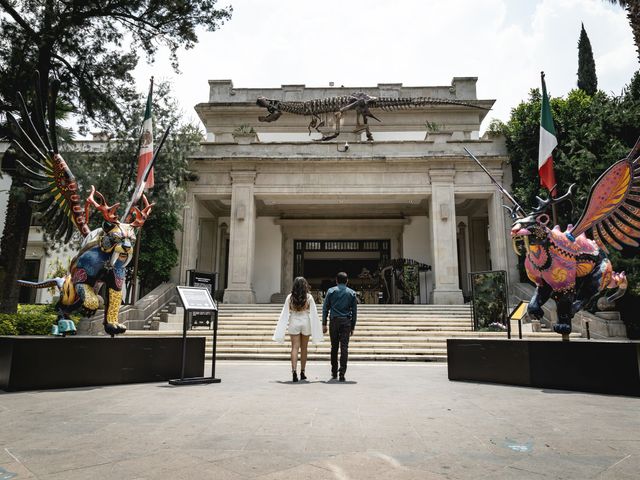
(361, 43)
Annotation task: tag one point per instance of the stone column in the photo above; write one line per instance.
(189, 237)
(462, 250)
(497, 234)
(241, 238)
(446, 290)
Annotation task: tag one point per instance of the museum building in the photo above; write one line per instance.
(270, 202)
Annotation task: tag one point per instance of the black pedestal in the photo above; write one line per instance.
(585, 366)
(32, 363)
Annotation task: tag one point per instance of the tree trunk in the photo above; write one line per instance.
(13, 247)
(633, 14)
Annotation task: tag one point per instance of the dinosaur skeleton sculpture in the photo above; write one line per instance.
(360, 102)
(567, 266)
(106, 251)
(395, 268)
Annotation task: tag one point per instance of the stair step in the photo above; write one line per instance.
(384, 332)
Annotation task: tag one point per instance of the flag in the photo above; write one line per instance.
(146, 143)
(548, 142)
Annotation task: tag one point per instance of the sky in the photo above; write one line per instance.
(358, 43)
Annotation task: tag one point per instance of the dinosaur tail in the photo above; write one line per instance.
(51, 282)
(389, 104)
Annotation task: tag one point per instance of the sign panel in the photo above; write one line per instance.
(196, 298)
(206, 280)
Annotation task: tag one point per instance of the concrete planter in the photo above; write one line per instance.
(245, 139)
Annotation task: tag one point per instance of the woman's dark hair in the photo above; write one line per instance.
(299, 293)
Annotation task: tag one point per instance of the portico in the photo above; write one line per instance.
(422, 199)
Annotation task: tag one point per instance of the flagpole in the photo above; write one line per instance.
(134, 276)
(136, 251)
(548, 141)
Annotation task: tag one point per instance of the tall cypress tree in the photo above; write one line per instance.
(587, 79)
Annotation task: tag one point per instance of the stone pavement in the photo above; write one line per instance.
(388, 421)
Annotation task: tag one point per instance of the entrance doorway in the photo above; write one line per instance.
(320, 260)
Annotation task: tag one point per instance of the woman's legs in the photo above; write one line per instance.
(295, 346)
(304, 341)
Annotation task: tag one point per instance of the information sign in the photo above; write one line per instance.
(196, 298)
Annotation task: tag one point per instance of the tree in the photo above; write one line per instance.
(633, 14)
(91, 47)
(587, 79)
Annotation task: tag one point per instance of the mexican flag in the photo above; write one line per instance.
(548, 142)
(146, 143)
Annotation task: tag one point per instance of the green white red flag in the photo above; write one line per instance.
(146, 143)
(548, 142)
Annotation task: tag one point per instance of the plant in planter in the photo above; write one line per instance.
(244, 134)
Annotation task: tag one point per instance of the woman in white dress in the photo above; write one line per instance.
(299, 318)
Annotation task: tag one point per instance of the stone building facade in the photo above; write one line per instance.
(270, 202)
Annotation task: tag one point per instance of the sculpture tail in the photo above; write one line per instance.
(618, 280)
(51, 282)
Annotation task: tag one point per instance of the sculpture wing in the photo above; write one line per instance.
(612, 213)
(46, 175)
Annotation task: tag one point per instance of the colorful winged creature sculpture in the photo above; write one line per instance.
(105, 251)
(567, 266)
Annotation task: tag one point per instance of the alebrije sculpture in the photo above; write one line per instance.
(566, 265)
(105, 251)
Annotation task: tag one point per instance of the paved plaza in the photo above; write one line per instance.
(388, 421)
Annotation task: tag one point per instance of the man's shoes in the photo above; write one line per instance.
(342, 379)
(334, 376)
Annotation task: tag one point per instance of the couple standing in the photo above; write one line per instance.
(299, 318)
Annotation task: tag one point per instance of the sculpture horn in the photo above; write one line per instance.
(108, 212)
(140, 216)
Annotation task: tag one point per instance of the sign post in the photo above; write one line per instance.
(196, 299)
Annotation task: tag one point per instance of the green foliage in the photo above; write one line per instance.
(244, 129)
(587, 79)
(489, 301)
(158, 253)
(593, 132)
(7, 326)
(30, 320)
(92, 45)
(411, 283)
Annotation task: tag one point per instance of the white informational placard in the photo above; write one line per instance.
(196, 298)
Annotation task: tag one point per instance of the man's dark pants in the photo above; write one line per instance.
(340, 332)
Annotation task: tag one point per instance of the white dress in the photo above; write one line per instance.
(299, 322)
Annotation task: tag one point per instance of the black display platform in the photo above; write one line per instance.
(33, 363)
(584, 366)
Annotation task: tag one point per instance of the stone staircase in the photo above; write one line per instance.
(383, 332)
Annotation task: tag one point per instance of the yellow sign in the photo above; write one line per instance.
(519, 311)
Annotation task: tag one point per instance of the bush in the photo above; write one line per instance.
(35, 319)
(6, 325)
(30, 320)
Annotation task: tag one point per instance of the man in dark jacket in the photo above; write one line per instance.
(342, 307)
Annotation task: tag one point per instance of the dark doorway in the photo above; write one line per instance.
(319, 261)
